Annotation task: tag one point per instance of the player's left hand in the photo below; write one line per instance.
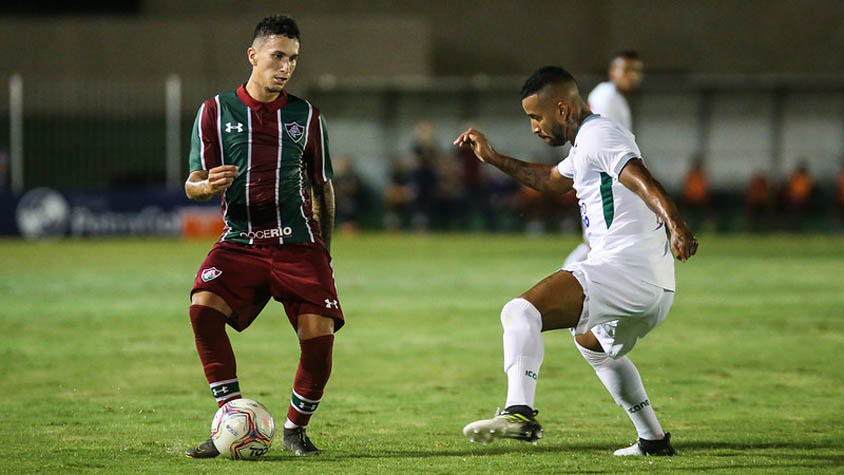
(683, 243)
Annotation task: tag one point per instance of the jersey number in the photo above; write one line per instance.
(583, 216)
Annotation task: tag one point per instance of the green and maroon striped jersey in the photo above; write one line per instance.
(280, 148)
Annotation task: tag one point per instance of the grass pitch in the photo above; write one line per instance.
(101, 376)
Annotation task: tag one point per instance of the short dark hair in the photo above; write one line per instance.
(627, 54)
(277, 25)
(544, 76)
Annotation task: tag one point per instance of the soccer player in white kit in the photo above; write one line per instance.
(607, 99)
(625, 77)
(625, 286)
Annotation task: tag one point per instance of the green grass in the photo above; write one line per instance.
(100, 372)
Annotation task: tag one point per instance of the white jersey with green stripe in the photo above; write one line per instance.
(619, 226)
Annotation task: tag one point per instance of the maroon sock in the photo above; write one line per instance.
(215, 352)
(311, 377)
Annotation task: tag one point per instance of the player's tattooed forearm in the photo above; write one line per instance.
(528, 174)
(324, 209)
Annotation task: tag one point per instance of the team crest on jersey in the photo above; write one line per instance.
(210, 273)
(295, 130)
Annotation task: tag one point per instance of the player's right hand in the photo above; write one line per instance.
(477, 142)
(683, 243)
(221, 178)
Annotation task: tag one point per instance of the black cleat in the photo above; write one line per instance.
(649, 447)
(297, 442)
(205, 450)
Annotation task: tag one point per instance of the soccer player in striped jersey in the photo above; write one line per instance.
(265, 153)
(620, 292)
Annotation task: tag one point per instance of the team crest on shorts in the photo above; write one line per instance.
(294, 130)
(210, 273)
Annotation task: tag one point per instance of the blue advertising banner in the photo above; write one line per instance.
(44, 212)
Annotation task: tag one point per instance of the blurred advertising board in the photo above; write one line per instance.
(48, 213)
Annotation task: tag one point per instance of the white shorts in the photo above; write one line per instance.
(617, 308)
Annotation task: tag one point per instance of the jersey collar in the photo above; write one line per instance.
(587, 119)
(257, 105)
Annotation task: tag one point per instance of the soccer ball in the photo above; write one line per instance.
(243, 429)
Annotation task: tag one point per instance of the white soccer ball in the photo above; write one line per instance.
(243, 429)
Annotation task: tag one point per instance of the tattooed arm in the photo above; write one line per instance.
(323, 206)
(535, 175)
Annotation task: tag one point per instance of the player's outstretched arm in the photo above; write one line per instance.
(638, 179)
(323, 207)
(535, 175)
(203, 184)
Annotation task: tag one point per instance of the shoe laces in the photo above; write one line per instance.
(514, 416)
(300, 435)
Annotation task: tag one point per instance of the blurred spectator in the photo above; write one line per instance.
(424, 144)
(4, 170)
(757, 203)
(696, 185)
(353, 196)
(696, 194)
(503, 200)
(423, 176)
(450, 198)
(543, 212)
(547, 212)
(471, 166)
(398, 195)
(796, 198)
(798, 189)
(478, 213)
(532, 209)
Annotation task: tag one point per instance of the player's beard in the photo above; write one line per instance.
(558, 135)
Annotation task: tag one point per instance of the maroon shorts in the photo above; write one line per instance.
(298, 275)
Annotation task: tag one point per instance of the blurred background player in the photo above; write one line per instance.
(628, 277)
(608, 99)
(266, 152)
(625, 77)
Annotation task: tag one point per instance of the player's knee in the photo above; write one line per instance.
(596, 359)
(211, 300)
(520, 315)
(312, 326)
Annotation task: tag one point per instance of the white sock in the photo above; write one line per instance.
(622, 380)
(288, 424)
(578, 254)
(523, 350)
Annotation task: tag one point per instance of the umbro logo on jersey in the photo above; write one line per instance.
(230, 127)
(295, 130)
(210, 273)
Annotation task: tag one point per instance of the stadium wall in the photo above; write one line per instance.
(205, 48)
(388, 38)
(513, 37)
